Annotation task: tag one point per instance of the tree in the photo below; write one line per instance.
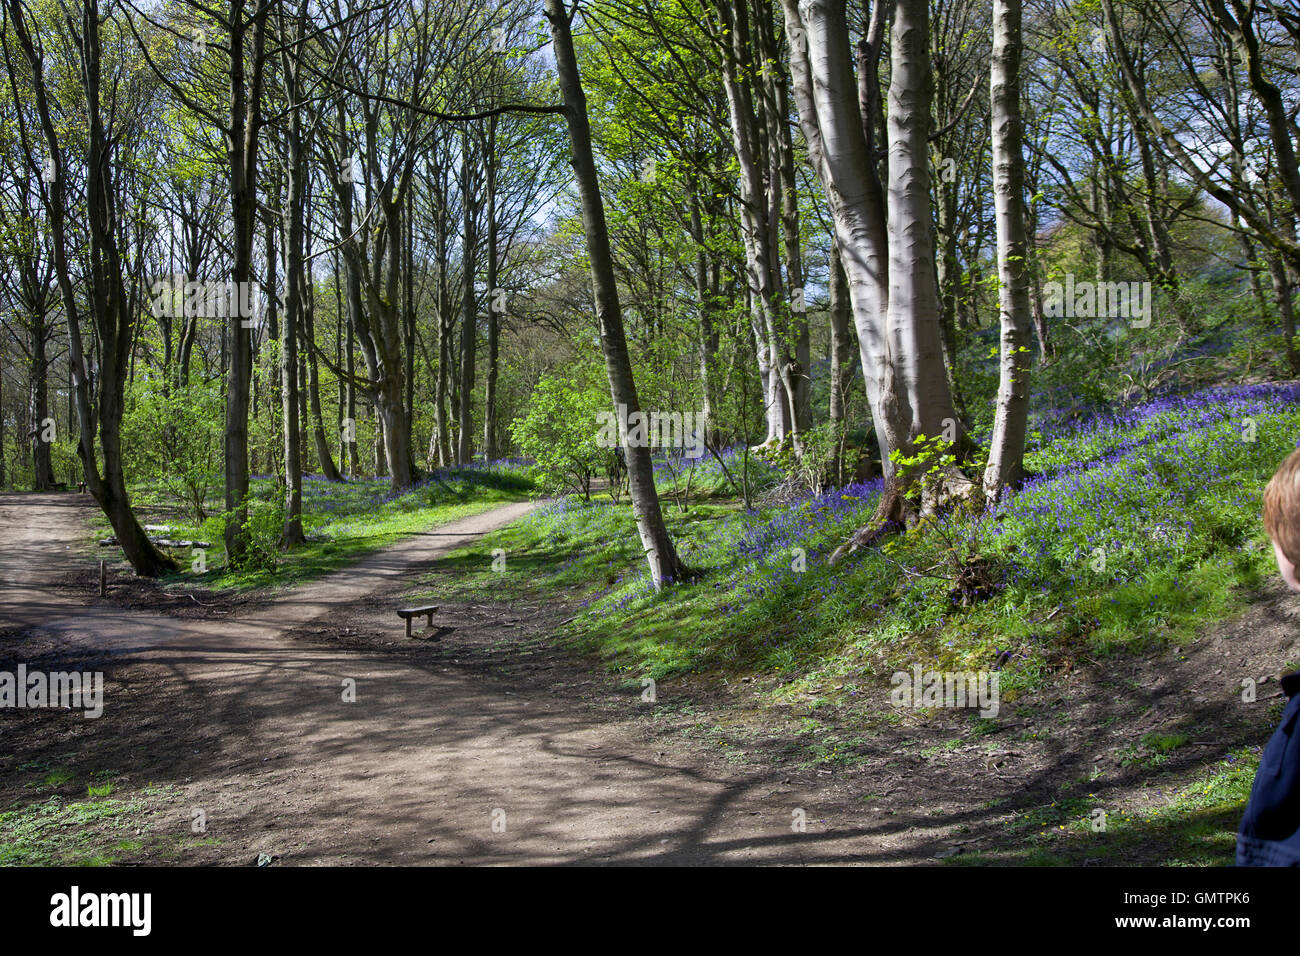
(665, 565)
(1007, 446)
(112, 313)
(884, 229)
(556, 431)
(841, 148)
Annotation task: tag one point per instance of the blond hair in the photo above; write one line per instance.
(1282, 508)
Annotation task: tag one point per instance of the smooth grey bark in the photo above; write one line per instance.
(826, 93)
(760, 216)
(1007, 445)
(914, 320)
(665, 565)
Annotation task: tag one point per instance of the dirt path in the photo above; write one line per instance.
(424, 766)
(239, 713)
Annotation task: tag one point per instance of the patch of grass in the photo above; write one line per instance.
(1194, 825)
(1164, 743)
(55, 778)
(99, 831)
(59, 833)
(1152, 749)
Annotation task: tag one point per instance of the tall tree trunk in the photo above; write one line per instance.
(841, 311)
(1250, 258)
(469, 320)
(381, 443)
(304, 419)
(350, 431)
(340, 387)
(760, 210)
(708, 335)
(797, 340)
(321, 441)
(1046, 350)
(379, 324)
(826, 93)
(914, 320)
(408, 312)
(440, 441)
(295, 262)
(1007, 446)
(496, 300)
(291, 535)
(245, 124)
(1277, 271)
(948, 278)
(665, 565)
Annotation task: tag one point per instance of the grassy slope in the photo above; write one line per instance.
(1169, 494)
(1138, 529)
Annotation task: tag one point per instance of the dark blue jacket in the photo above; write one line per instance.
(1270, 830)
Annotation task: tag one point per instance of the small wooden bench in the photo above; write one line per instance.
(407, 613)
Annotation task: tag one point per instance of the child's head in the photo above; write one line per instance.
(1282, 518)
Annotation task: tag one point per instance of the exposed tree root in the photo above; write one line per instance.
(898, 511)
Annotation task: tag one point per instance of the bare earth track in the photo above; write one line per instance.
(238, 711)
